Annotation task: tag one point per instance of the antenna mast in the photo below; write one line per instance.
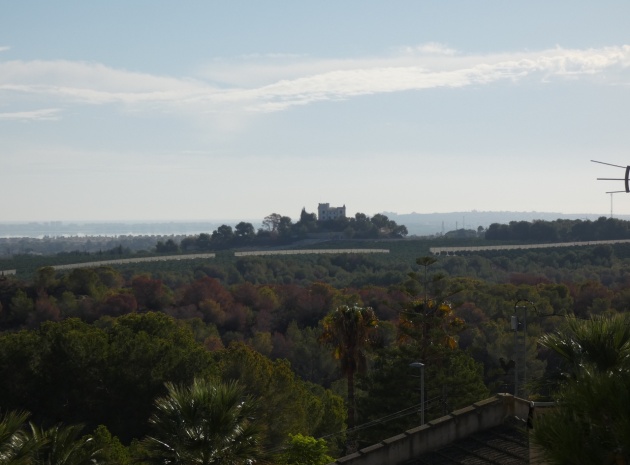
(611, 205)
(625, 179)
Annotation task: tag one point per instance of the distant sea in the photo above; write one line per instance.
(110, 229)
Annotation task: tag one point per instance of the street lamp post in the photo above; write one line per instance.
(421, 366)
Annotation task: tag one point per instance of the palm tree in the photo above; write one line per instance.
(16, 446)
(64, 445)
(591, 422)
(348, 330)
(204, 423)
(59, 445)
(600, 344)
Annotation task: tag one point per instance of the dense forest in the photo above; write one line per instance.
(97, 346)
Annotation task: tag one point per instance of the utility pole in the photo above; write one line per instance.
(421, 366)
(520, 347)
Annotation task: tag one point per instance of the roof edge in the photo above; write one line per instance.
(437, 433)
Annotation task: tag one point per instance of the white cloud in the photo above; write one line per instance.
(430, 48)
(484, 70)
(46, 114)
(279, 82)
(4, 48)
(93, 83)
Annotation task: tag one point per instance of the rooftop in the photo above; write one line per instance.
(492, 431)
(506, 444)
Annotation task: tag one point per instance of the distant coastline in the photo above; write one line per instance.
(43, 229)
(418, 224)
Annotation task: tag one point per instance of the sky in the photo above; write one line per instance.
(150, 110)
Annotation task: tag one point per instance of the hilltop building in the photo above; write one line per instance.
(325, 212)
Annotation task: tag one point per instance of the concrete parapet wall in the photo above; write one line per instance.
(480, 416)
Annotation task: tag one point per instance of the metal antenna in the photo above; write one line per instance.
(609, 164)
(625, 179)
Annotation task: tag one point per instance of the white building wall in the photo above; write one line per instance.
(325, 212)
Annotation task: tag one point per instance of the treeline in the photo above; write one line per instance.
(560, 230)
(278, 230)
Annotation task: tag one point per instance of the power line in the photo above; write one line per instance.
(392, 416)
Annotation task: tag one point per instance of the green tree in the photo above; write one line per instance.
(108, 373)
(305, 450)
(45, 279)
(144, 351)
(289, 405)
(170, 246)
(272, 222)
(223, 236)
(112, 450)
(399, 230)
(348, 330)
(244, 232)
(308, 220)
(20, 309)
(380, 220)
(204, 423)
(85, 281)
(591, 421)
(284, 227)
(204, 241)
(362, 226)
(309, 359)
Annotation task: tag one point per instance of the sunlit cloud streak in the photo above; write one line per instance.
(46, 114)
(354, 82)
(287, 81)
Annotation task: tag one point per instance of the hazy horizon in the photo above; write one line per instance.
(417, 224)
(296, 217)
